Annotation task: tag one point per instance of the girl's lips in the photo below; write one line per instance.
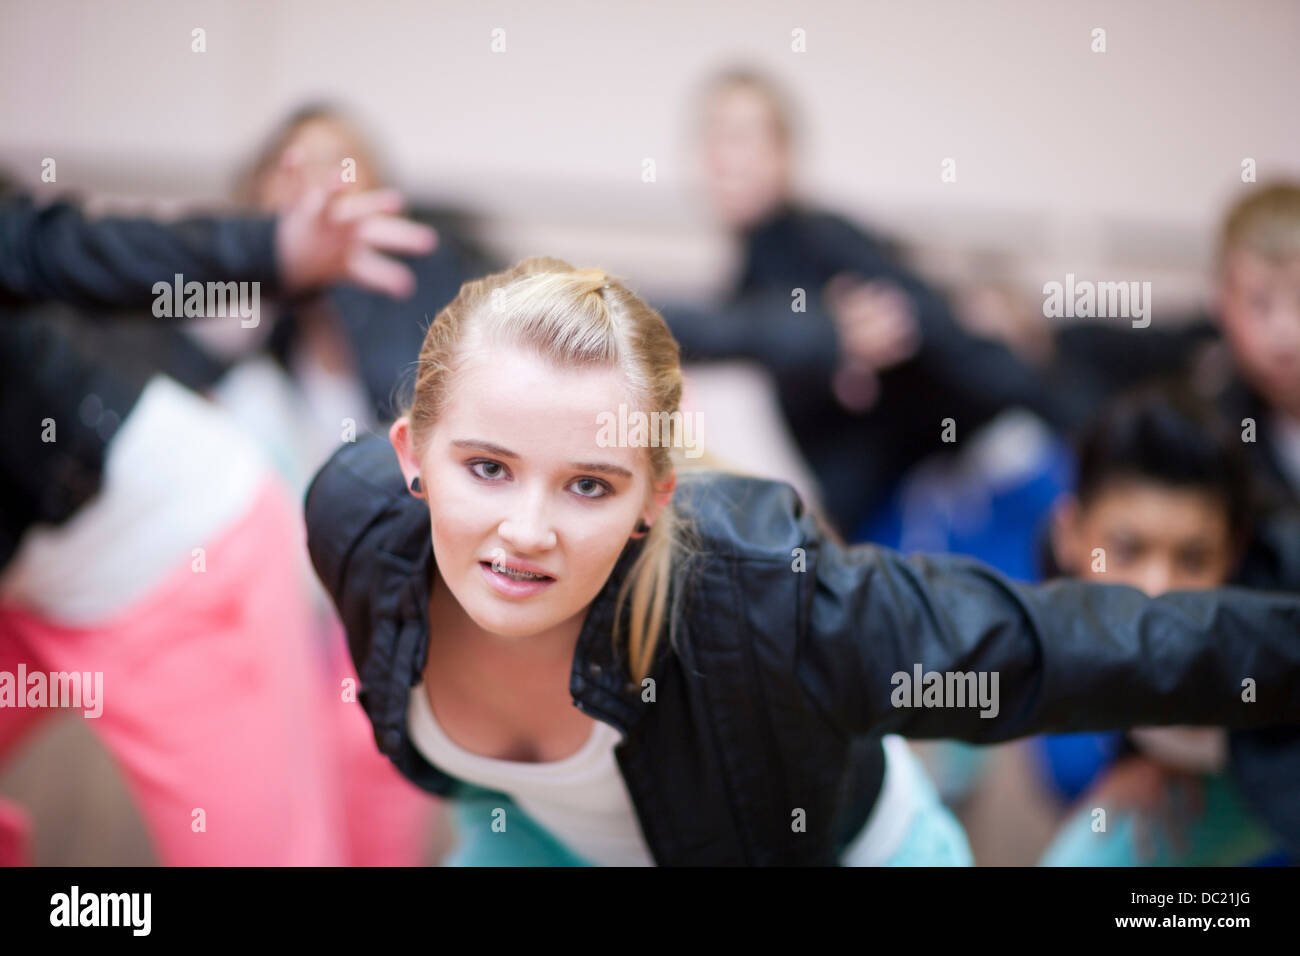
(515, 564)
(509, 587)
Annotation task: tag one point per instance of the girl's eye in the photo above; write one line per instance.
(591, 488)
(495, 471)
(487, 470)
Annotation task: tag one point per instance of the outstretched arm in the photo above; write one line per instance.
(54, 252)
(1067, 656)
(762, 327)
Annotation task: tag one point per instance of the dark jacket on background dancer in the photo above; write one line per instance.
(857, 457)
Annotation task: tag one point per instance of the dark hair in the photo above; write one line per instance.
(1165, 434)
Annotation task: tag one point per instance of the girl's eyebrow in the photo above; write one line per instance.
(598, 466)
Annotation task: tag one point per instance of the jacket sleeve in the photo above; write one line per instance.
(760, 326)
(1062, 657)
(345, 514)
(974, 374)
(54, 252)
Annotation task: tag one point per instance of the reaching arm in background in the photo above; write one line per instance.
(976, 376)
(54, 252)
(760, 326)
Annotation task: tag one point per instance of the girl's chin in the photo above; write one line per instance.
(510, 623)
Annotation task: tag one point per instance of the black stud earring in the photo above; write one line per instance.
(415, 485)
(642, 527)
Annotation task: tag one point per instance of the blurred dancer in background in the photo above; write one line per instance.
(145, 539)
(1162, 502)
(1244, 357)
(867, 358)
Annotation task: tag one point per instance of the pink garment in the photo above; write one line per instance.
(218, 695)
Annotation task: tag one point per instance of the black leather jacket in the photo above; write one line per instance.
(780, 683)
(54, 253)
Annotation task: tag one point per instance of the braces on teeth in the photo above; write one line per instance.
(519, 575)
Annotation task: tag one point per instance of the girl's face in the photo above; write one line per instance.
(1259, 307)
(323, 145)
(516, 482)
(746, 167)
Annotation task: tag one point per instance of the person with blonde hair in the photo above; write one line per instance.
(601, 656)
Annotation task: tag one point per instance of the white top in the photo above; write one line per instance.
(896, 806)
(177, 472)
(582, 799)
(584, 803)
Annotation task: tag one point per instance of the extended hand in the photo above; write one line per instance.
(876, 329)
(875, 321)
(332, 235)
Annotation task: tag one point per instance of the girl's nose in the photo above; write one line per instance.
(528, 529)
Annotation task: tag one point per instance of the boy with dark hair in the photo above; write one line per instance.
(1163, 502)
